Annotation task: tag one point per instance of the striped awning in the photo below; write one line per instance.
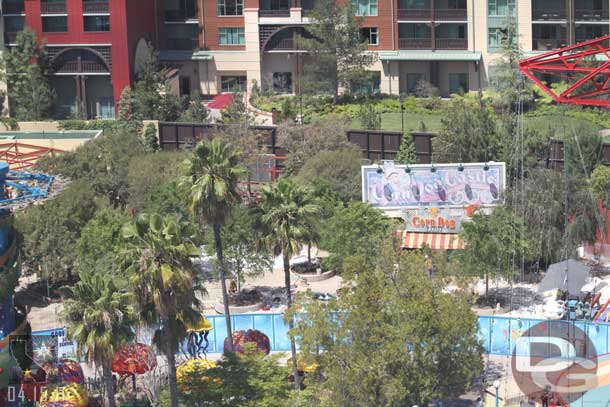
(436, 241)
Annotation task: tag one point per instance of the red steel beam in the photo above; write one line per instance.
(574, 64)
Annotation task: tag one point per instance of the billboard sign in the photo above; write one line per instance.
(391, 187)
(433, 220)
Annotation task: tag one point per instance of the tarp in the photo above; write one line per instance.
(568, 275)
(221, 101)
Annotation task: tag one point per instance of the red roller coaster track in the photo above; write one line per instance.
(585, 67)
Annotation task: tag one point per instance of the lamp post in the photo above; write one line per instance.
(497, 386)
(402, 115)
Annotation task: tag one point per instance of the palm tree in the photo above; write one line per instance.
(212, 173)
(157, 259)
(287, 215)
(101, 318)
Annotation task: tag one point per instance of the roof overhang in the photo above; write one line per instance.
(176, 56)
(430, 56)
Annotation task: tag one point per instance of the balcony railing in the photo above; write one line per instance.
(13, 8)
(427, 14)
(52, 7)
(541, 44)
(95, 7)
(182, 44)
(450, 14)
(82, 67)
(285, 44)
(548, 15)
(274, 13)
(416, 14)
(415, 43)
(591, 15)
(451, 43)
(180, 15)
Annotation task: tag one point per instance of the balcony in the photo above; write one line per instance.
(95, 7)
(415, 14)
(178, 16)
(52, 7)
(548, 15)
(591, 15)
(274, 13)
(182, 44)
(450, 14)
(542, 44)
(82, 67)
(452, 43)
(13, 7)
(415, 43)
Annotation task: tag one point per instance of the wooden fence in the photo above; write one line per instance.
(555, 154)
(384, 145)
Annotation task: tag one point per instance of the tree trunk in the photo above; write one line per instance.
(109, 382)
(309, 253)
(171, 364)
(486, 284)
(293, 346)
(223, 283)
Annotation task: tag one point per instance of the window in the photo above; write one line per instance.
(230, 7)
(185, 86)
(233, 83)
(458, 83)
(368, 86)
(365, 7)
(413, 79)
(282, 82)
(231, 36)
(183, 37)
(181, 10)
(97, 23)
(370, 35)
(55, 24)
(496, 36)
(501, 8)
(13, 24)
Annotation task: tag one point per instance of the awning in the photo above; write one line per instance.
(430, 56)
(177, 55)
(436, 241)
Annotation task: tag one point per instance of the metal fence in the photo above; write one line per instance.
(497, 334)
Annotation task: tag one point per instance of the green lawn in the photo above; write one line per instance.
(392, 121)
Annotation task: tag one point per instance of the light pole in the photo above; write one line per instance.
(402, 115)
(497, 386)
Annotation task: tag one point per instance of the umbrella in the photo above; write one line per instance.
(568, 275)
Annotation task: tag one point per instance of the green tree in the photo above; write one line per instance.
(287, 218)
(100, 240)
(212, 174)
(507, 80)
(101, 318)
(103, 163)
(151, 140)
(600, 183)
(495, 244)
(407, 153)
(338, 55)
(339, 169)
(237, 112)
(25, 65)
(150, 96)
(50, 232)
(369, 118)
(356, 230)
(469, 132)
(242, 254)
(249, 380)
(395, 337)
(196, 112)
(157, 260)
(306, 141)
